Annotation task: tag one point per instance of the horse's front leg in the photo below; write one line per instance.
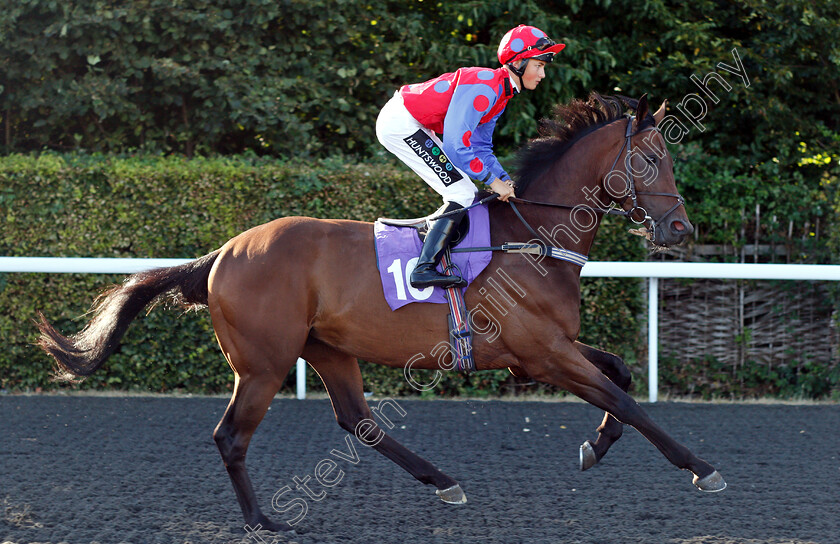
(568, 369)
(610, 429)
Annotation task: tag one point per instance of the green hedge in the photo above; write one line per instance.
(149, 206)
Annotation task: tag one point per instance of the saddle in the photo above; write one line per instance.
(421, 224)
(458, 319)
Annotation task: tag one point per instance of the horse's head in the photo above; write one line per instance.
(641, 179)
(575, 165)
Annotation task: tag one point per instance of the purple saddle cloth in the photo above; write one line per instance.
(398, 248)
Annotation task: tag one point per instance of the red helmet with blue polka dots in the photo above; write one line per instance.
(527, 42)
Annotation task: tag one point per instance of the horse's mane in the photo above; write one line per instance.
(570, 123)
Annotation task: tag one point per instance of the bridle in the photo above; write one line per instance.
(631, 194)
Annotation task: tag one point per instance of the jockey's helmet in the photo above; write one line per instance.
(527, 42)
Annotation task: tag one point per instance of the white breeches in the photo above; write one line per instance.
(422, 151)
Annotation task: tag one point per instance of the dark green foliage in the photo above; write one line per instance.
(198, 76)
(301, 77)
(710, 379)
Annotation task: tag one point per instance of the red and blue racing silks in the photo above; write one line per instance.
(463, 107)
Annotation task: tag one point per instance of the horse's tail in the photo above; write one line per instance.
(81, 354)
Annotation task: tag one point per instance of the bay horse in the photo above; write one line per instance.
(282, 290)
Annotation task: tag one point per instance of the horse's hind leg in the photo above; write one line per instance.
(610, 429)
(260, 369)
(343, 380)
(251, 397)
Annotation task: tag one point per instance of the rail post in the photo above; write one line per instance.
(653, 339)
(300, 372)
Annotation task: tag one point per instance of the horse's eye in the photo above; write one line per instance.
(651, 159)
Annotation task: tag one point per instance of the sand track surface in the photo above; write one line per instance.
(146, 470)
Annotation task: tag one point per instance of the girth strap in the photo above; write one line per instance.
(534, 249)
(460, 334)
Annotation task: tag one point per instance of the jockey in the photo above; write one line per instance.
(462, 107)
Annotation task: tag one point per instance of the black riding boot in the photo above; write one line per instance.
(434, 246)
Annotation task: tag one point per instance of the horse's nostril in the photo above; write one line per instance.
(678, 226)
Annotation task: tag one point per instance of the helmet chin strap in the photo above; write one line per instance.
(519, 71)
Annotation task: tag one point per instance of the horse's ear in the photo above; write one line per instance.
(660, 113)
(642, 109)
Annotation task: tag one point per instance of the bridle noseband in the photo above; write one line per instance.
(632, 192)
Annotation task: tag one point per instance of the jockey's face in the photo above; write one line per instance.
(534, 73)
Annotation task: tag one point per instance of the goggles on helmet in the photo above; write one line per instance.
(542, 44)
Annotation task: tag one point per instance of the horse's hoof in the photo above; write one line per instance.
(588, 459)
(452, 495)
(712, 483)
(266, 524)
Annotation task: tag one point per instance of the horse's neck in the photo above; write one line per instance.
(573, 181)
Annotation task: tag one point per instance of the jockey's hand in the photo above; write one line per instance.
(503, 188)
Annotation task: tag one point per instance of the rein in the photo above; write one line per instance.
(633, 194)
(546, 249)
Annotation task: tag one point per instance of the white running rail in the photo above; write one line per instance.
(600, 269)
